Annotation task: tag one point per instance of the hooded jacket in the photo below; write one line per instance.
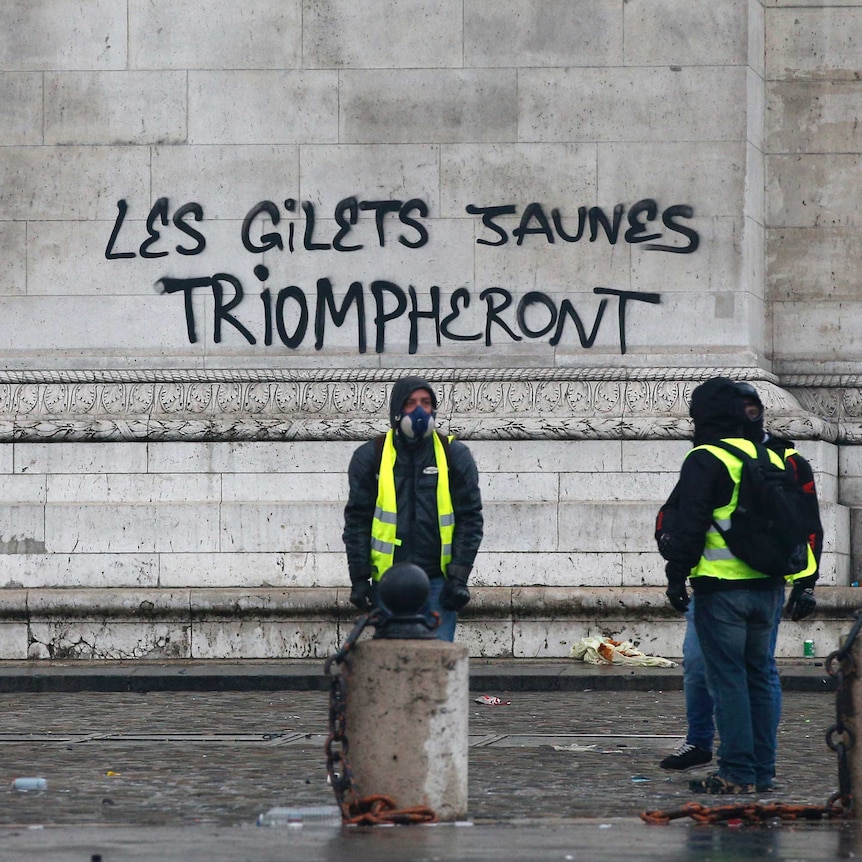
(704, 484)
(416, 495)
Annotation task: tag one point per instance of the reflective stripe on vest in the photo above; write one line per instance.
(384, 525)
(717, 561)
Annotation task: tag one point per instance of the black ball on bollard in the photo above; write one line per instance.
(403, 589)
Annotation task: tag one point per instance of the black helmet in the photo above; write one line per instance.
(753, 424)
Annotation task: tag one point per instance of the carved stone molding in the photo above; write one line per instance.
(351, 404)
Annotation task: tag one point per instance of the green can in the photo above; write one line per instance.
(808, 648)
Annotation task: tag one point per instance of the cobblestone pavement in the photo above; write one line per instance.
(183, 758)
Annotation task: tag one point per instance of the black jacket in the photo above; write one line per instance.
(416, 495)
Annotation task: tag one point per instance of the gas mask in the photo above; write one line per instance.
(418, 424)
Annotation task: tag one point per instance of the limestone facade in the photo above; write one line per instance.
(229, 227)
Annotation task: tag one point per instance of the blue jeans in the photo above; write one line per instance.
(699, 705)
(446, 630)
(736, 633)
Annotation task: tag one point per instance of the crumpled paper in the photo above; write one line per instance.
(607, 651)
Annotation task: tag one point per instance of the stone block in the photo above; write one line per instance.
(809, 190)
(555, 175)
(22, 528)
(836, 527)
(507, 569)
(22, 489)
(262, 639)
(51, 34)
(678, 33)
(21, 108)
(813, 116)
(38, 325)
(14, 640)
(287, 488)
(659, 456)
(207, 34)
(112, 640)
(813, 43)
(87, 458)
(371, 172)
(707, 176)
(252, 570)
(825, 331)
(115, 107)
(526, 487)
(446, 261)
(555, 638)
(13, 268)
(237, 178)
(558, 267)
(529, 527)
(520, 33)
(576, 456)
(281, 527)
(91, 180)
(458, 106)
(648, 488)
(131, 529)
(59, 251)
(353, 34)
(636, 105)
(85, 571)
(308, 114)
(644, 569)
(123, 489)
(606, 527)
(715, 266)
(486, 639)
(813, 263)
(283, 457)
(721, 321)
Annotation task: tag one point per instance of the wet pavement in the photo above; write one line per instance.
(553, 775)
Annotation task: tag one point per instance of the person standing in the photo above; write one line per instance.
(696, 751)
(413, 498)
(735, 606)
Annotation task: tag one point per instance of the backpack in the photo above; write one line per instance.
(768, 527)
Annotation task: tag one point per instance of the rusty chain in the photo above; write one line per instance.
(839, 738)
(376, 809)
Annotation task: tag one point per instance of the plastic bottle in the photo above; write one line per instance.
(298, 817)
(26, 784)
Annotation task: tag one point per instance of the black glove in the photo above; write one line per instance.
(676, 592)
(360, 595)
(801, 602)
(455, 593)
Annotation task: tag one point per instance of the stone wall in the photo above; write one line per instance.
(228, 227)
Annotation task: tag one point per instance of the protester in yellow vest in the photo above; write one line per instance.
(414, 498)
(696, 751)
(735, 606)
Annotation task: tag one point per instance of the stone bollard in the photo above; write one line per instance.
(406, 704)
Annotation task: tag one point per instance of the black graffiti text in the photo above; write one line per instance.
(292, 314)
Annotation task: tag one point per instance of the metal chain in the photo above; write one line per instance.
(839, 737)
(370, 810)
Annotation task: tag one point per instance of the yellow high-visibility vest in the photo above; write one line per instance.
(384, 526)
(717, 560)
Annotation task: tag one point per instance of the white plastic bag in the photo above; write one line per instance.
(607, 651)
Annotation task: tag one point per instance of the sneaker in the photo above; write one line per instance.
(715, 784)
(686, 757)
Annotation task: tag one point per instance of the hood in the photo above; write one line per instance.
(401, 390)
(754, 430)
(717, 410)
